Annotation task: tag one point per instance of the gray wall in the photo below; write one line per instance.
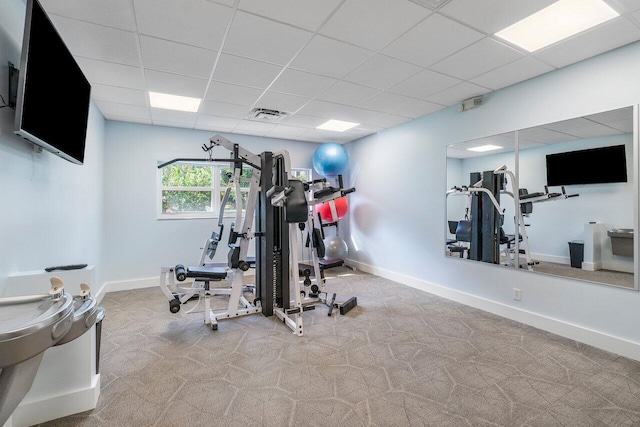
(409, 215)
(52, 210)
(136, 243)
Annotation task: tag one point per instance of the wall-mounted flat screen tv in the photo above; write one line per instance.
(593, 166)
(52, 107)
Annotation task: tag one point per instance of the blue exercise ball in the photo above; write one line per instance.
(330, 159)
(335, 247)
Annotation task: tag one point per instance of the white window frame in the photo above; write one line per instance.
(216, 188)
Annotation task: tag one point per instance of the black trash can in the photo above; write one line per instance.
(576, 253)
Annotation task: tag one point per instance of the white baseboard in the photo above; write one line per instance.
(40, 411)
(127, 285)
(592, 266)
(578, 333)
(625, 267)
(552, 258)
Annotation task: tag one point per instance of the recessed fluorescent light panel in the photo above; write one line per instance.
(337, 125)
(483, 148)
(556, 22)
(174, 102)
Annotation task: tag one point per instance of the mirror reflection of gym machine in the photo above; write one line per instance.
(280, 205)
(480, 235)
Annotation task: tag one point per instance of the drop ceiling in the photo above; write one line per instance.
(608, 123)
(379, 63)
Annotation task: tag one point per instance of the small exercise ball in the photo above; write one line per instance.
(330, 159)
(324, 209)
(335, 247)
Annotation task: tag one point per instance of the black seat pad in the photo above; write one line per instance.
(210, 273)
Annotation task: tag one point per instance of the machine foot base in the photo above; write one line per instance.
(348, 305)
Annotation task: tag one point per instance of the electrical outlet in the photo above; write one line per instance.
(517, 294)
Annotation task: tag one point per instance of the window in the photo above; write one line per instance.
(301, 174)
(196, 190)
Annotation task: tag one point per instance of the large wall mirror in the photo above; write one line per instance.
(558, 199)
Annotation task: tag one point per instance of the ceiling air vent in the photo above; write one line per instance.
(431, 4)
(266, 115)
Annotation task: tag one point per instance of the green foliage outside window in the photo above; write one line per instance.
(189, 188)
(180, 175)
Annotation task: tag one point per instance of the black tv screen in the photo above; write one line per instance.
(594, 166)
(53, 94)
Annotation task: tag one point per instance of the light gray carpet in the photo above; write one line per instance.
(402, 358)
(610, 277)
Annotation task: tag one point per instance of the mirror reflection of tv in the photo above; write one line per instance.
(53, 94)
(593, 166)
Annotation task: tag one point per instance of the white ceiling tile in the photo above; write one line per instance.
(98, 42)
(621, 119)
(627, 5)
(415, 108)
(307, 14)
(232, 94)
(229, 3)
(432, 40)
(594, 130)
(391, 120)
(114, 109)
(221, 109)
(301, 83)
(245, 72)
(364, 130)
(281, 102)
(543, 136)
(329, 57)
(480, 57)
(382, 72)
(424, 84)
(636, 15)
(178, 58)
(249, 125)
(582, 127)
(285, 131)
(362, 116)
(174, 84)
(373, 24)
(129, 119)
(195, 22)
(385, 102)
(456, 94)
(112, 13)
(347, 93)
(111, 74)
(324, 109)
(263, 39)
(319, 135)
(300, 120)
(119, 94)
(173, 124)
(491, 16)
(610, 35)
(183, 117)
(515, 72)
(216, 122)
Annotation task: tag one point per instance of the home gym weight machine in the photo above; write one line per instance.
(487, 216)
(320, 191)
(279, 204)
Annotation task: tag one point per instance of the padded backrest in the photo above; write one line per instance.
(463, 231)
(453, 225)
(296, 209)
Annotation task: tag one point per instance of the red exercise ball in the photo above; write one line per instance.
(324, 209)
